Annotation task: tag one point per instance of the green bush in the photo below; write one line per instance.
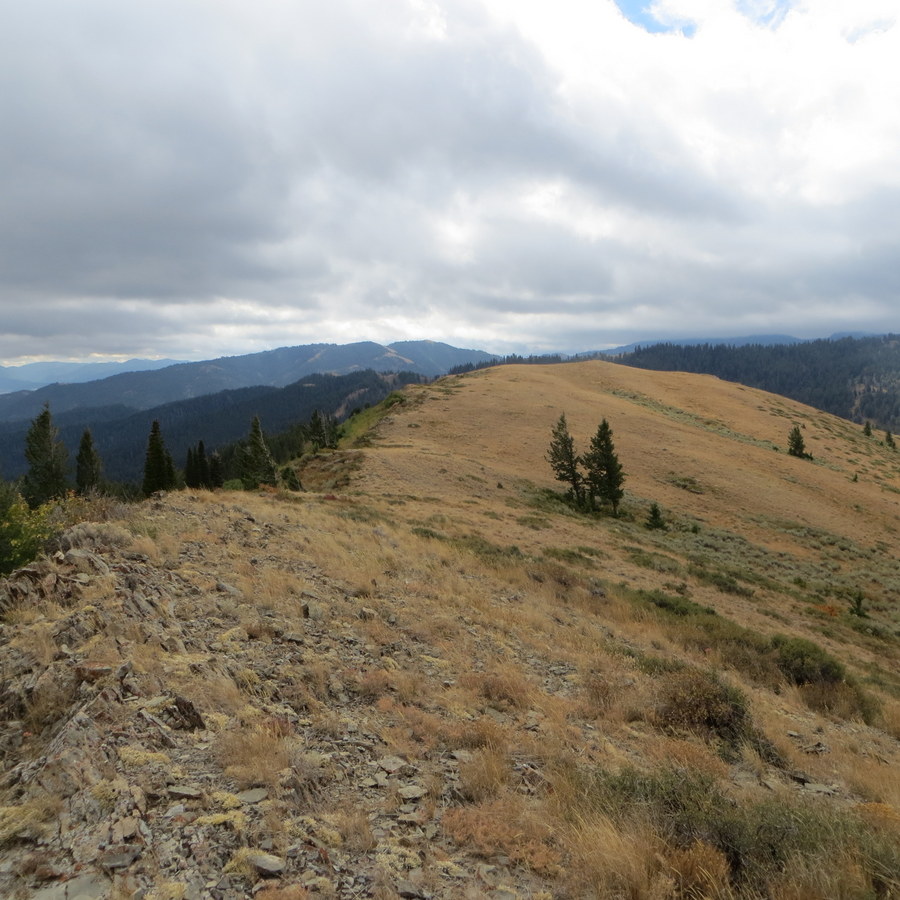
(22, 531)
(767, 843)
(702, 703)
(803, 662)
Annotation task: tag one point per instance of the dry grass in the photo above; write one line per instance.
(506, 826)
(509, 627)
(485, 775)
(257, 753)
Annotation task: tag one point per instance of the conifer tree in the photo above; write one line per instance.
(255, 463)
(216, 471)
(796, 444)
(316, 431)
(604, 472)
(564, 461)
(889, 440)
(202, 464)
(159, 470)
(88, 467)
(48, 460)
(190, 470)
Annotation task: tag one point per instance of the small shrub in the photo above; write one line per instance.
(700, 702)
(803, 662)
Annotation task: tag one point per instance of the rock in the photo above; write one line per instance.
(185, 792)
(82, 887)
(391, 764)
(412, 792)
(91, 672)
(267, 864)
(255, 795)
(119, 856)
(814, 788)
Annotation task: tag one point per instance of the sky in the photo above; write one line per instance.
(197, 178)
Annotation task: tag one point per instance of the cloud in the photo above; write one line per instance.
(197, 178)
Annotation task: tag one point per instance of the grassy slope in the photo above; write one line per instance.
(580, 722)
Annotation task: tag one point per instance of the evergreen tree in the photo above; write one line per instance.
(202, 464)
(216, 471)
(316, 432)
(604, 472)
(191, 478)
(889, 440)
(867, 429)
(88, 468)
(796, 444)
(48, 461)
(564, 461)
(290, 479)
(159, 470)
(655, 519)
(255, 463)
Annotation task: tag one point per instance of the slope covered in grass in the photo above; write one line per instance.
(428, 677)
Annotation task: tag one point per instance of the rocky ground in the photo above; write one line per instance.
(194, 704)
(165, 735)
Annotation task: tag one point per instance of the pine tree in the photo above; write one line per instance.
(255, 463)
(88, 468)
(316, 432)
(191, 478)
(604, 472)
(48, 461)
(796, 444)
(564, 461)
(202, 464)
(655, 519)
(889, 440)
(159, 470)
(216, 471)
(867, 429)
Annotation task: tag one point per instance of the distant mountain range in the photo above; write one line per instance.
(139, 390)
(215, 400)
(32, 376)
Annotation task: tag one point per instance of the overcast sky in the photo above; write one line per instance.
(193, 178)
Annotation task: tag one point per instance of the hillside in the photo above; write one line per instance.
(427, 677)
(120, 434)
(857, 378)
(271, 368)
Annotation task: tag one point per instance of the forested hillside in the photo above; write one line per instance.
(274, 368)
(855, 378)
(120, 435)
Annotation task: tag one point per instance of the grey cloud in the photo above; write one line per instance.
(293, 158)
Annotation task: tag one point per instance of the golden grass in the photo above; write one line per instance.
(255, 754)
(507, 626)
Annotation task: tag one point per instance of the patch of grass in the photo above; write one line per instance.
(569, 555)
(724, 581)
(656, 562)
(764, 843)
(676, 604)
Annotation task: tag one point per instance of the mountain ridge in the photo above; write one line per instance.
(274, 368)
